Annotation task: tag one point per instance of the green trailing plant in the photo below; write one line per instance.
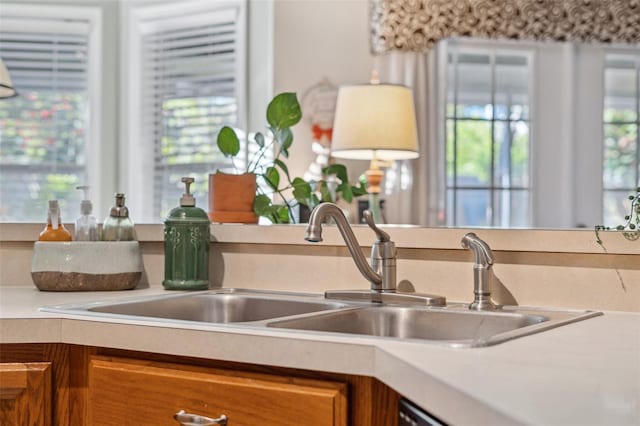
(631, 228)
(283, 112)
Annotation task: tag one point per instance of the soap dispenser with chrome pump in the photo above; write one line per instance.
(186, 245)
(118, 226)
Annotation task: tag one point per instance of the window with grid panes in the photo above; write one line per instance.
(487, 138)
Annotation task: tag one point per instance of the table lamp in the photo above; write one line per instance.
(6, 87)
(375, 122)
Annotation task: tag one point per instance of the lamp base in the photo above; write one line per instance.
(364, 205)
(374, 206)
(374, 177)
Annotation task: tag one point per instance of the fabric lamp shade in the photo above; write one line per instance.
(6, 87)
(375, 121)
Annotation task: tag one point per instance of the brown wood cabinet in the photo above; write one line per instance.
(25, 394)
(125, 391)
(94, 386)
(62, 401)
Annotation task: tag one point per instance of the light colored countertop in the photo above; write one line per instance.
(585, 373)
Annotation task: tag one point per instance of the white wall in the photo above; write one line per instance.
(316, 39)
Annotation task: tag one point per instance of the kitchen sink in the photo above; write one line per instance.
(213, 306)
(455, 327)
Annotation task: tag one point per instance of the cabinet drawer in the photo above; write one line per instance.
(134, 392)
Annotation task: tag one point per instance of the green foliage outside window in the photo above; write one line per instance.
(42, 153)
(620, 148)
(43, 128)
(473, 155)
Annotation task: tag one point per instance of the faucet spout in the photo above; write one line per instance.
(382, 271)
(314, 234)
(482, 272)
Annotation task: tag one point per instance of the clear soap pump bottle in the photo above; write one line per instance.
(118, 226)
(55, 230)
(86, 224)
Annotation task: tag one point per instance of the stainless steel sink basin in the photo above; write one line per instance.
(450, 326)
(453, 325)
(215, 307)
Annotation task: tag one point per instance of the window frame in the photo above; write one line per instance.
(566, 144)
(466, 46)
(136, 165)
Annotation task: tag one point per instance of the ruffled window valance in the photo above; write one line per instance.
(416, 25)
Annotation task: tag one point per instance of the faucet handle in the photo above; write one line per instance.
(383, 237)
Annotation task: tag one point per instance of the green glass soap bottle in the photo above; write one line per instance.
(186, 245)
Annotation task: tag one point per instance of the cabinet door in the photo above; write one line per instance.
(25, 394)
(133, 392)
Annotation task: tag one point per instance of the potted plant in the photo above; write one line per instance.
(232, 197)
(283, 112)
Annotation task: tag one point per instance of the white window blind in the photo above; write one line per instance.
(44, 130)
(192, 71)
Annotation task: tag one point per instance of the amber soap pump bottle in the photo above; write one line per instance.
(55, 230)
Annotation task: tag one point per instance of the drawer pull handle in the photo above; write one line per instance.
(187, 419)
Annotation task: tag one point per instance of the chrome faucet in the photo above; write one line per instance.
(482, 272)
(381, 273)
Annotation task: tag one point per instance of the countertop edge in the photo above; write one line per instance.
(460, 386)
(284, 349)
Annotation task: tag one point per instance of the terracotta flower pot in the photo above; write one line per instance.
(231, 198)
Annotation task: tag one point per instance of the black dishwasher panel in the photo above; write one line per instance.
(411, 415)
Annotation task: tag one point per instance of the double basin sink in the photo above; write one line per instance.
(453, 325)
